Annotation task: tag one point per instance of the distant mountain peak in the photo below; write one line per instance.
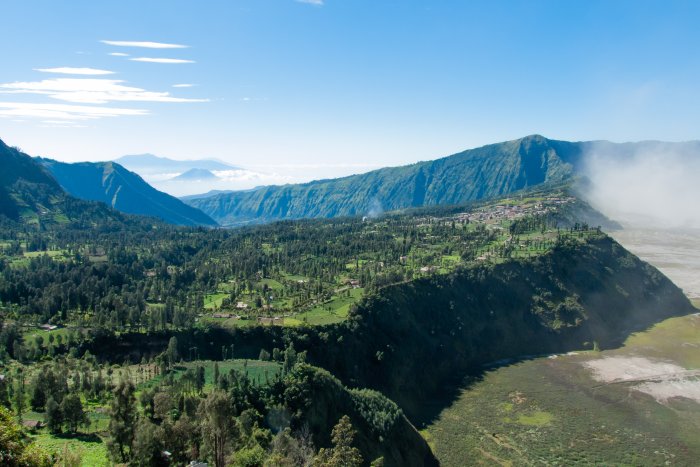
(195, 174)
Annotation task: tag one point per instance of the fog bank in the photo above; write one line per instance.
(653, 190)
(653, 184)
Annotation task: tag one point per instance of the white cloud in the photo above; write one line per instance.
(66, 70)
(312, 2)
(654, 186)
(118, 54)
(183, 85)
(90, 91)
(160, 60)
(61, 112)
(243, 175)
(145, 44)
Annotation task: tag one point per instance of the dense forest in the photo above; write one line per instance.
(308, 342)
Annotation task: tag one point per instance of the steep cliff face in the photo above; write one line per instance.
(411, 340)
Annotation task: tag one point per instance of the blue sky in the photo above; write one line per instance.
(332, 87)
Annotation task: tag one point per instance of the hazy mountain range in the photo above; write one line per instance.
(146, 164)
(481, 173)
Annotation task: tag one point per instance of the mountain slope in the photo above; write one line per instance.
(30, 195)
(479, 173)
(26, 188)
(123, 190)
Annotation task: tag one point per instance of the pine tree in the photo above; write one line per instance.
(53, 416)
(342, 454)
(73, 414)
(122, 422)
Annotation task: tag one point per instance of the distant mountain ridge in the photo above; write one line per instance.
(145, 164)
(480, 173)
(486, 172)
(123, 190)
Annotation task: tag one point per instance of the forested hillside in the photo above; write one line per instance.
(475, 174)
(112, 184)
(30, 196)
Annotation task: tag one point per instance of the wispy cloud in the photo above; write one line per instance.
(145, 44)
(118, 54)
(312, 2)
(160, 60)
(183, 85)
(66, 70)
(90, 91)
(60, 112)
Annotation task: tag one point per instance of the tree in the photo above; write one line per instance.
(14, 449)
(122, 422)
(73, 413)
(71, 457)
(172, 353)
(217, 375)
(201, 378)
(38, 400)
(264, 355)
(53, 416)
(184, 440)
(342, 454)
(290, 359)
(19, 397)
(4, 394)
(148, 444)
(217, 424)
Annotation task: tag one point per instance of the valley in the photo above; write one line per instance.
(122, 335)
(636, 405)
(322, 233)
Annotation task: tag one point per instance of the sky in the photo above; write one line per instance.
(321, 88)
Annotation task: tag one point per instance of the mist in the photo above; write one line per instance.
(653, 190)
(651, 185)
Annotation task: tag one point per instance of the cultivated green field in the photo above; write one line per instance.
(552, 411)
(92, 448)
